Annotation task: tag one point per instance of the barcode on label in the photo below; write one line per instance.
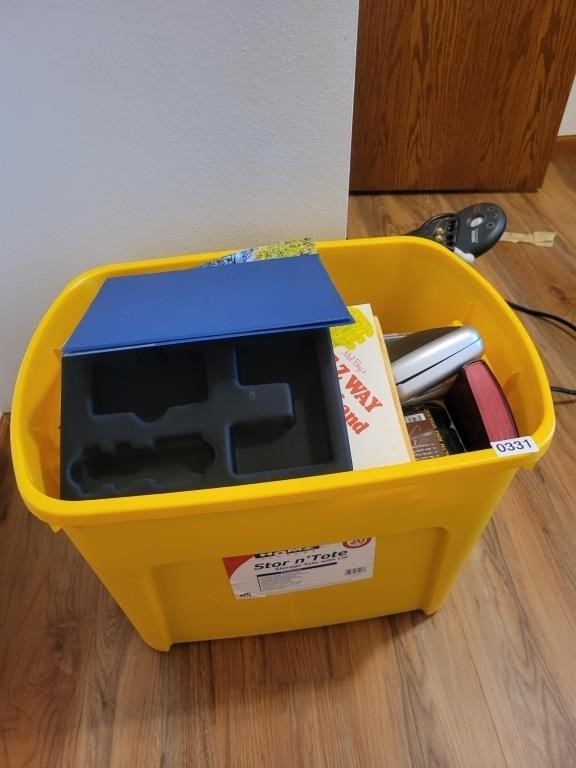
(414, 417)
(354, 571)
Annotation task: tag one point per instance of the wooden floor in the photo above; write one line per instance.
(489, 681)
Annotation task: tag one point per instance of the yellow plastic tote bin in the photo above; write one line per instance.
(182, 565)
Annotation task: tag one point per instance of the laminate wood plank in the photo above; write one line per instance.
(520, 630)
(6, 476)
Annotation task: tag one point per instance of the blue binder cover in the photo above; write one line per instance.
(202, 304)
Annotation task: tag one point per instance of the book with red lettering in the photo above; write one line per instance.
(478, 407)
(376, 428)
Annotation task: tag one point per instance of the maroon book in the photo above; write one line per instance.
(478, 407)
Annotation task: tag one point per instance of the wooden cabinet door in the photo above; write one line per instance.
(459, 94)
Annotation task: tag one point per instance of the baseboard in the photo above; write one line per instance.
(6, 475)
(564, 146)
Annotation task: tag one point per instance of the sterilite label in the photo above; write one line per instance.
(291, 570)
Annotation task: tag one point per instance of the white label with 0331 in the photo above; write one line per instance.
(515, 446)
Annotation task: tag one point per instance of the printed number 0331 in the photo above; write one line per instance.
(515, 446)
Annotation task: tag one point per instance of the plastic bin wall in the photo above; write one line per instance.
(161, 556)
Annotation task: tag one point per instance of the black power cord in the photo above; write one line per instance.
(555, 318)
(544, 315)
(564, 390)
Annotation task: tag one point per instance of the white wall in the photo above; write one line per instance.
(568, 124)
(141, 128)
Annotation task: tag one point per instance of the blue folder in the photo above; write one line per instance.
(289, 294)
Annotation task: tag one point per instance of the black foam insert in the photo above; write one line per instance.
(165, 460)
(305, 440)
(176, 375)
(200, 415)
